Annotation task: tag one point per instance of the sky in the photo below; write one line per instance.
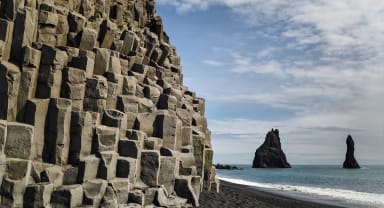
(314, 69)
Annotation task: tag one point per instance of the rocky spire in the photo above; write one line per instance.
(350, 161)
(270, 154)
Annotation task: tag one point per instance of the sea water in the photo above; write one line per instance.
(322, 183)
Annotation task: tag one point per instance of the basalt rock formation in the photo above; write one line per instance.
(350, 161)
(93, 109)
(270, 154)
(226, 167)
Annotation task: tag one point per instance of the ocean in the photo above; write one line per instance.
(322, 183)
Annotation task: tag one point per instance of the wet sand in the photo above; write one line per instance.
(234, 195)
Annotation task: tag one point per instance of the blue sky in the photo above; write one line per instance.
(314, 69)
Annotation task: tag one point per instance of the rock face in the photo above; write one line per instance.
(270, 154)
(93, 110)
(350, 161)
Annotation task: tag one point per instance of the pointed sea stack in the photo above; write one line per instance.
(270, 154)
(350, 161)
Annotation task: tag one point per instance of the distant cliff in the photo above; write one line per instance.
(270, 154)
(350, 161)
(93, 109)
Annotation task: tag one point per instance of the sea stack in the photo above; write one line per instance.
(93, 109)
(350, 161)
(270, 154)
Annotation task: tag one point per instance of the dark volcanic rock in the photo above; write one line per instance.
(350, 161)
(226, 167)
(270, 154)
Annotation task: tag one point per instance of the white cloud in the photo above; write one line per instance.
(265, 53)
(213, 63)
(342, 27)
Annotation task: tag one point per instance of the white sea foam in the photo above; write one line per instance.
(376, 200)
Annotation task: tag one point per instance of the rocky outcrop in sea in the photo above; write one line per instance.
(350, 161)
(94, 111)
(270, 153)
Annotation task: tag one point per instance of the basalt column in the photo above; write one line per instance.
(93, 110)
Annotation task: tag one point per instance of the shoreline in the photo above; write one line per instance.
(236, 195)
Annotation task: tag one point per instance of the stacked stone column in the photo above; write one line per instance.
(93, 110)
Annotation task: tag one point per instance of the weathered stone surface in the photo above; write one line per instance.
(144, 122)
(136, 196)
(167, 102)
(51, 56)
(270, 154)
(129, 148)
(104, 119)
(76, 22)
(70, 176)
(49, 82)
(127, 168)
(168, 127)
(150, 166)
(183, 188)
(350, 161)
(107, 165)
(94, 191)
(106, 139)
(162, 198)
(131, 41)
(18, 169)
(67, 196)
(57, 131)
(107, 31)
(35, 113)
(167, 172)
(127, 104)
(74, 75)
(84, 61)
(14, 182)
(80, 137)
(20, 141)
(3, 135)
(88, 39)
(24, 32)
(27, 89)
(6, 36)
(121, 187)
(115, 118)
(94, 105)
(31, 57)
(109, 198)
(97, 87)
(38, 195)
(54, 175)
(9, 89)
(12, 192)
(198, 152)
(88, 168)
(102, 59)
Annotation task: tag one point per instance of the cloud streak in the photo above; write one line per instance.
(351, 28)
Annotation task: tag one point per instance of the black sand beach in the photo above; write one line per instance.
(234, 195)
